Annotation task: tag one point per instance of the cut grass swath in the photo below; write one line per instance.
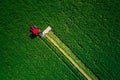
(70, 56)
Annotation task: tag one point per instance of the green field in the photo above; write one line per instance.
(90, 28)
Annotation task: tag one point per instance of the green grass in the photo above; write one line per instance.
(72, 55)
(90, 28)
(23, 58)
(27, 59)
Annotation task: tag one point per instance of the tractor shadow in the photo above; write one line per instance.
(32, 36)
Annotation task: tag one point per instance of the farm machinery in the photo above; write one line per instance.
(37, 32)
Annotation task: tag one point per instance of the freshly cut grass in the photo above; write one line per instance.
(64, 59)
(69, 54)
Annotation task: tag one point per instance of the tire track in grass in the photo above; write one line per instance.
(69, 58)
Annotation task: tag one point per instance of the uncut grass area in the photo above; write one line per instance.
(90, 28)
(23, 58)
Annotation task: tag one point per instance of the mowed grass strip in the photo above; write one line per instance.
(63, 59)
(70, 56)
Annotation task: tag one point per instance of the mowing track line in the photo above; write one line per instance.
(69, 58)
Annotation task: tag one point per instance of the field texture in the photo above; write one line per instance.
(90, 28)
(23, 58)
(70, 56)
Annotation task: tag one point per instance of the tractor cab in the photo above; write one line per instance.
(35, 31)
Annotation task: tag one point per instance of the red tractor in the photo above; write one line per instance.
(35, 30)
